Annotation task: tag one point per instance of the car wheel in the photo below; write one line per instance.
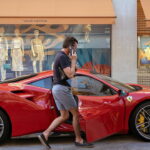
(140, 121)
(4, 127)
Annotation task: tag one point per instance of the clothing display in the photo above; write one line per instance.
(3, 49)
(37, 50)
(3, 71)
(3, 56)
(31, 48)
(17, 54)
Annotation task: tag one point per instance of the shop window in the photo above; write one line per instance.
(26, 49)
(144, 60)
(144, 51)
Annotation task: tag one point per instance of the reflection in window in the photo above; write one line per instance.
(84, 85)
(35, 46)
(143, 50)
(44, 83)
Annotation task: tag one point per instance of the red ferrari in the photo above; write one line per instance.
(106, 106)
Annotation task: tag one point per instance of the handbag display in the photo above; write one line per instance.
(7, 66)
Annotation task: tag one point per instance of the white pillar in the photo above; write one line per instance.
(124, 41)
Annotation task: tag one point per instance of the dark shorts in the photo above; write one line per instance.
(63, 97)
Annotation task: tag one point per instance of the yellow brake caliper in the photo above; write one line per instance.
(140, 121)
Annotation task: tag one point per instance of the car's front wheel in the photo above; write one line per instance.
(140, 121)
(4, 127)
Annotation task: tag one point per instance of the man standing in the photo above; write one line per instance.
(64, 68)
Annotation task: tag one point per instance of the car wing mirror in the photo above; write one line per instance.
(122, 93)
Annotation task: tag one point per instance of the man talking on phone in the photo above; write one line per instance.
(64, 68)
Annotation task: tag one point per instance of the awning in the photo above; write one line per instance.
(57, 12)
(146, 8)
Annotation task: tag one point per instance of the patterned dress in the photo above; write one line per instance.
(3, 49)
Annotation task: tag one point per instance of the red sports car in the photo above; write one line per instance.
(106, 106)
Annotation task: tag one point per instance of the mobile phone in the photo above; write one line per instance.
(71, 49)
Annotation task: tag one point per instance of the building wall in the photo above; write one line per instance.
(124, 41)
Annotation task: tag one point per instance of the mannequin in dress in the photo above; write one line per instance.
(87, 29)
(3, 53)
(17, 53)
(37, 52)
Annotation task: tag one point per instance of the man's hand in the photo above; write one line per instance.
(73, 57)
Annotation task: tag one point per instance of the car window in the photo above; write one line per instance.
(44, 83)
(84, 85)
(19, 78)
(117, 84)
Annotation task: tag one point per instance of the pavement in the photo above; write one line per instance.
(115, 142)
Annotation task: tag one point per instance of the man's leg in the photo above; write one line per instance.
(76, 125)
(64, 115)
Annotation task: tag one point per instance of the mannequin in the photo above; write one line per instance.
(37, 51)
(3, 53)
(48, 43)
(87, 29)
(17, 53)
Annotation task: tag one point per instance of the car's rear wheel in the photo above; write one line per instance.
(4, 127)
(140, 121)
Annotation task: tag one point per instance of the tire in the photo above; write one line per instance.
(4, 127)
(139, 123)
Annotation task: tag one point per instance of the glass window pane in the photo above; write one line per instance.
(44, 83)
(83, 85)
(143, 51)
(26, 49)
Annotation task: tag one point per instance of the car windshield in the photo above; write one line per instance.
(19, 78)
(117, 84)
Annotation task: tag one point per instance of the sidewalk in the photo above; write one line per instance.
(115, 142)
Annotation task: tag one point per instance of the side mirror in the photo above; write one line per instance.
(122, 93)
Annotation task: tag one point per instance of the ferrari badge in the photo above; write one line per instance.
(129, 98)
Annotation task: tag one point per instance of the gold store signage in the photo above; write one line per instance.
(20, 20)
(36, 21)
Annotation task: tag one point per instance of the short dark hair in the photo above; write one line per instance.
(69, 41)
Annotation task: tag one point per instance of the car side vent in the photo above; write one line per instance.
(24, 94)
(19, 91)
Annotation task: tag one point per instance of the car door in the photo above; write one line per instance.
(39, 92)
(101, 109)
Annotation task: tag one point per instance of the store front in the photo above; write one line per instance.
(30, 41)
